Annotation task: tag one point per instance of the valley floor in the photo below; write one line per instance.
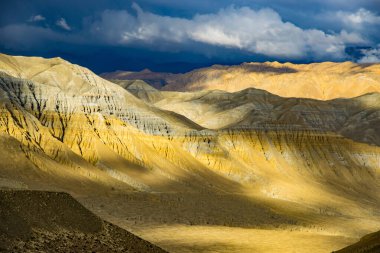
(208, 239)
(184, 223)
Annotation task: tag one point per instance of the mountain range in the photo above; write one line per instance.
(322, 81)
(257, 157)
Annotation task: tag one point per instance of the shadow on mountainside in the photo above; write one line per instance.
(40, 221)
(264, 68)
(367, 244)
(245, 67)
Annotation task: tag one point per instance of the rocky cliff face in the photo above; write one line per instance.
(70, 127)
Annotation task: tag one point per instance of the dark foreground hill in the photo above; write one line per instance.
(38, 221)
(368, 244)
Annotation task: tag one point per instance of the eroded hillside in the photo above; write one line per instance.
(250, 160)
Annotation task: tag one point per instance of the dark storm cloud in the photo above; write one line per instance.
(192, 33)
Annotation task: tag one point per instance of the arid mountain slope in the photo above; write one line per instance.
(321, 81)
(357, 118)
(159, 172)
(368, 244)
(37, 221)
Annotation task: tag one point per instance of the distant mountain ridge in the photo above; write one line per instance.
(323, 81)
(156, 79)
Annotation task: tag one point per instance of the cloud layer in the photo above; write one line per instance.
(258, 31)
(213, 34)
(370, 55)
(359, 18)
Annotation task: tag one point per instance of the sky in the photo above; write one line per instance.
(179, 35)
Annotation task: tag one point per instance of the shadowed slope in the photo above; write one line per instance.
(367, 244)
(156, 79)
(39, 221)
